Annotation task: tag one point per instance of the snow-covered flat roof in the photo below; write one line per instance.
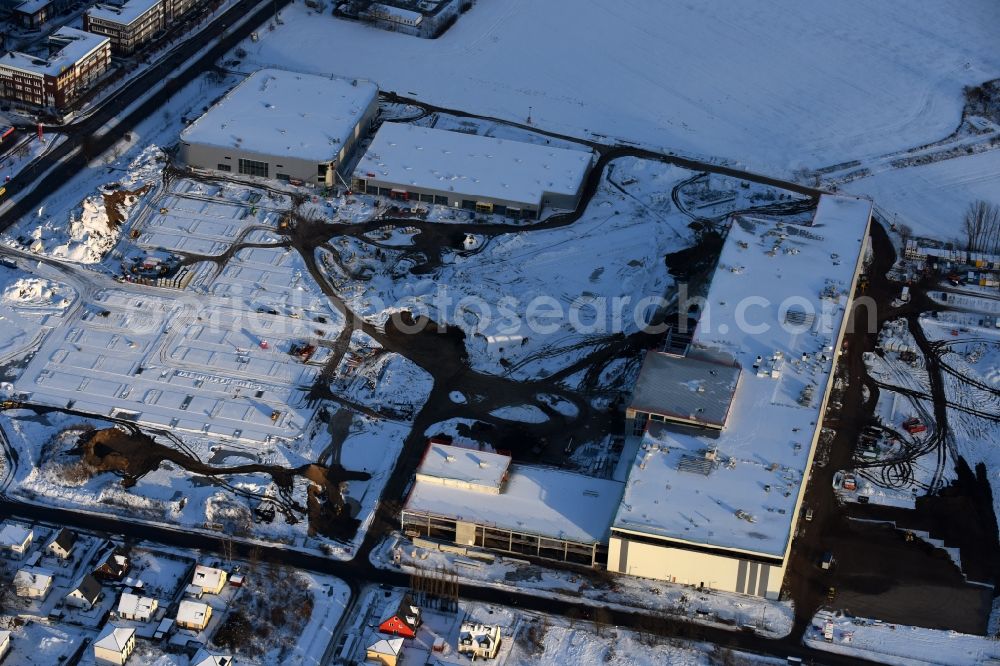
(454, 465)
(77, 45)
(478, 167)
(745, 500)
(125, 13)
(536, 500)
(686, 387)
(285, 114)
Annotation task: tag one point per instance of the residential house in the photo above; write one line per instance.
(33, 582)
(205, 658)
(133, 607)
(16, 538)
(62, 545)
(114, 645)
(209, 579)
(85, 594)
(387, 652)
(114, 563)
(479, 641)
(193, 615)
(403, 621)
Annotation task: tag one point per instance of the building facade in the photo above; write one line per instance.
(78, 60)
(128, 26)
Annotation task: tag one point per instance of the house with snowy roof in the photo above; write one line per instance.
(479, 641)
(33, 582)
(114, 645)
(193, 615)
(133, 607)
(16, 538)
(62, 544)
(388, 651)
(209, 579)
(205, 658)
(85, 593)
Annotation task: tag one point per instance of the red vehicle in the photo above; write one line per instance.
(9, 131)
(264, 345)
(914, 426)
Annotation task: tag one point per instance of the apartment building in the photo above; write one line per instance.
(76, 60)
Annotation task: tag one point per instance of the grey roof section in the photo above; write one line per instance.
(686, 387)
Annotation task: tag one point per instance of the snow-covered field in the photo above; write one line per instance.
(932, 199)
(774, 85)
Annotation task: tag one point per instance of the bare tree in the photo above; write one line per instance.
(982, 227)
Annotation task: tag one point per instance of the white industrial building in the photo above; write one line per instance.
(479, 499)
(713, 501)
(476, 173)
(283, 125)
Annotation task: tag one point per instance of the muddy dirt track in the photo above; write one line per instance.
(133, 454)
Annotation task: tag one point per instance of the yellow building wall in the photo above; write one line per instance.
(688, 567)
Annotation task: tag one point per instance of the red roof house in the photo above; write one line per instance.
(403, 621)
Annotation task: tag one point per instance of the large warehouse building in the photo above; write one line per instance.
(477, 173)
(283, 125)
(716, 487)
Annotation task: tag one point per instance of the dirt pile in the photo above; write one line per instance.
(118, 202)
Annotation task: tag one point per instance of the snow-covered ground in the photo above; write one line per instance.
(27, 305)
(899, 644)
(595, 274)
(775, 85)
